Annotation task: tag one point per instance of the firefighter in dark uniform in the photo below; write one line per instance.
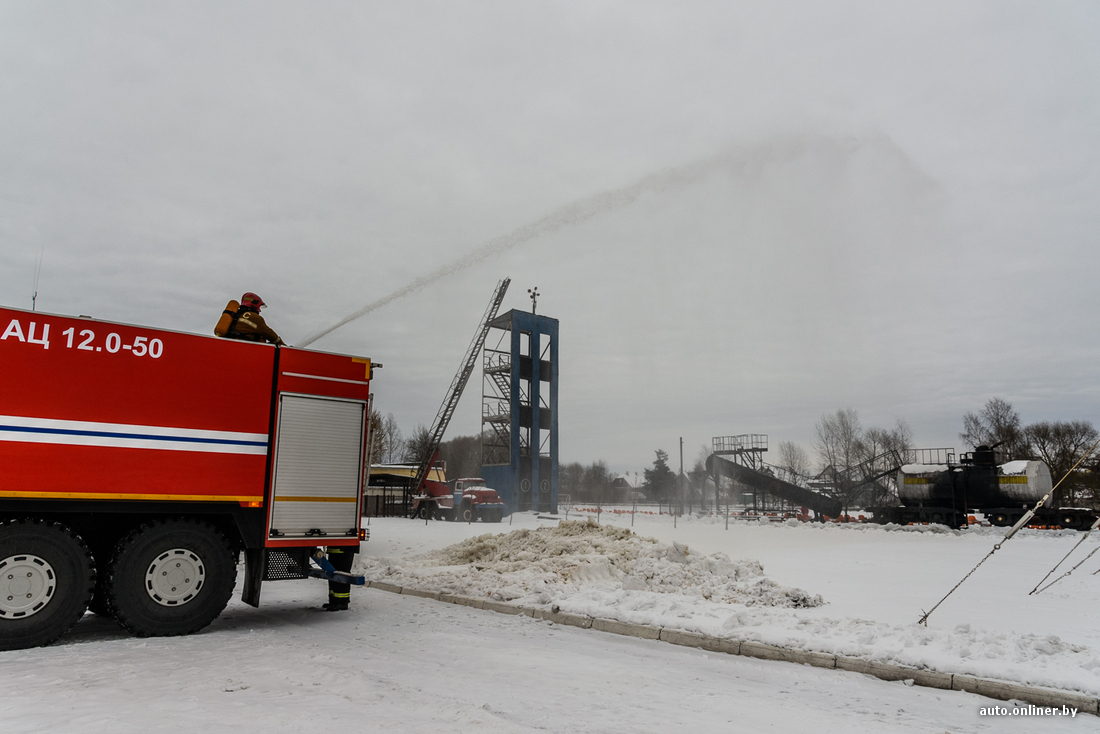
(246, 322)
(339, 594)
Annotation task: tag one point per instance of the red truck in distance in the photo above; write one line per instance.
(464, 500)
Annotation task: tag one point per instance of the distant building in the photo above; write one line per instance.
(621, 488)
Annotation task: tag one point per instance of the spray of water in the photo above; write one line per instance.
(580, 211)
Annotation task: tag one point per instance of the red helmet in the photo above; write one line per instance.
(253, 301)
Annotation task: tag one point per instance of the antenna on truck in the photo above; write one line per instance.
(458, 384)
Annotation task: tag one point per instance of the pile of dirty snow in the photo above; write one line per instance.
(544, 565)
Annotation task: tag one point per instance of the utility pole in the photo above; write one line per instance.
(681, 493)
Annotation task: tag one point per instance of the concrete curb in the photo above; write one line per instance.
(573, 620)
(1044, 697)
(624, 628)
(1037, 696)
(885, 671)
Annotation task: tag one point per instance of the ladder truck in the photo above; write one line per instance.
(137, 464)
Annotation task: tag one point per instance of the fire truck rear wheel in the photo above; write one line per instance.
(46, 581)
(170, 578)
(467, 513)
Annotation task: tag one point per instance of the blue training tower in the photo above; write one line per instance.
(519, 415)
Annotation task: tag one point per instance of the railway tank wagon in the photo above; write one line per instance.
(949, 493)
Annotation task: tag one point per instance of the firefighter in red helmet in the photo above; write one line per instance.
(246, 322)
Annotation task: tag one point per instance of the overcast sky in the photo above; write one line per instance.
(891, 207)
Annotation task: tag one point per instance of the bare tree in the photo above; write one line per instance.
(838, 444)
(597, 481)
(571, 478)
(1061, 444)
(376, 448)
(418, 446)
(392, 442)
(838, 439)
(794, 460)
(881, 451)
(996, 423)
(462, 456)
(855, 461)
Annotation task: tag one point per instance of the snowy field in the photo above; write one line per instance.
(854, 590)
(406, 664)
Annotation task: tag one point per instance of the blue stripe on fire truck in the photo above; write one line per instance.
(87, 433)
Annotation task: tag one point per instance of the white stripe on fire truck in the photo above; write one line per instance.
(122, 435)
(326, 379)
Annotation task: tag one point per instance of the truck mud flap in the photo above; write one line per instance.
(272, 564)
(254, 563)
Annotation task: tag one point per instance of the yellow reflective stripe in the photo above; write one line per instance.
(340, 595)
(315, 499)
(116, 496)
(359, 360)
(1013, 480)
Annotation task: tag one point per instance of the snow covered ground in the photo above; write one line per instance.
(406, 664)
(854, 590)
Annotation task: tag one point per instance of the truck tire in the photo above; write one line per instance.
(171, 577)
(467, 512)
(47, 577)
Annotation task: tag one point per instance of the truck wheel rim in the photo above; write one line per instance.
(175, 577)
(27, 584)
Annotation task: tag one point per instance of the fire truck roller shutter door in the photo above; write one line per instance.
(171, 577)
(46, 581)
(318, 466)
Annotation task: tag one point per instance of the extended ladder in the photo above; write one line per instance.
(458, 384)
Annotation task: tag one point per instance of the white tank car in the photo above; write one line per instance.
(1024, 481)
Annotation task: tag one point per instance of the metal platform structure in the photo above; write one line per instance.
(771, 485)
(519, 412)
(747, 448)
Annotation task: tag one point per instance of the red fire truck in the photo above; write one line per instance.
(463, 499)
(136, 464)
